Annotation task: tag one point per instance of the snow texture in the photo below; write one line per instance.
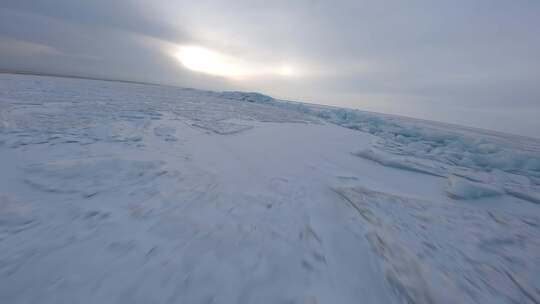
(116, 192)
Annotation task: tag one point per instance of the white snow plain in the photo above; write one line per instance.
(116, 192)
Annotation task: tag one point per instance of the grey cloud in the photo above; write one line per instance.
(119, 14)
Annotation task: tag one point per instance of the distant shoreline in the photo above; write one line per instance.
(18, 72)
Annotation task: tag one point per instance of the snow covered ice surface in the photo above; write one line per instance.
(117, 192)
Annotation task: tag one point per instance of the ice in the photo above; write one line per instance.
(222, 127)
(524, 192)
(90, 176)
(247, 96)
(167, 133)
(403, 163)
(426, 146)
(116, 192)
(450, 253)
(463, 188)
(15, 216)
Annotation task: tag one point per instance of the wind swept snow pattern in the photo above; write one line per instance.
(471, 255)
(116, 192)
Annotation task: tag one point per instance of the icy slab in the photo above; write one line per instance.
(463, 188)
(451, 145)
(463, 183)
(404, 163)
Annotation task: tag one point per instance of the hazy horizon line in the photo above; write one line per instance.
(101, 78)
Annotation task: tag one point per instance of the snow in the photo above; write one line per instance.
(437, 252)
(117, 192)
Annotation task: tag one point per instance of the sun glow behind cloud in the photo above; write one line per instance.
(203, 60)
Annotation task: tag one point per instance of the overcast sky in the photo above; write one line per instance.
(473, 62)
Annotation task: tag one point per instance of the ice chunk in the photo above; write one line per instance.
(411, 164)
(167, 133)
(463, 188)
(246, 96)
